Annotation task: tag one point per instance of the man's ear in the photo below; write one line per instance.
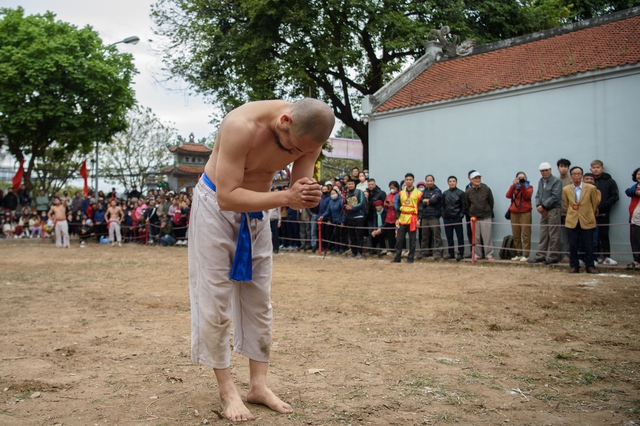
(286, 120)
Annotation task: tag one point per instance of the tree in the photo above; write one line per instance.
(139, 150)
(53, 171)
(346, 132)
(587, 9)
(61, 89)
(335, 50)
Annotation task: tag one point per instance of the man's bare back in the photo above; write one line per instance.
(253, 143)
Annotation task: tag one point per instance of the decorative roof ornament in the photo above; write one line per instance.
(451, 48)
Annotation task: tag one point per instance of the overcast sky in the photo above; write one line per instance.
(115, 20)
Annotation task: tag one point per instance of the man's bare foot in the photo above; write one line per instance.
(264, 396)
(233, 407)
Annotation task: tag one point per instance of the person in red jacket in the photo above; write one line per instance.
(634, 218)
(520, 193)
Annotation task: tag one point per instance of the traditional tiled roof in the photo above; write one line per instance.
(180, 168)
(192, 148)
(608, 45)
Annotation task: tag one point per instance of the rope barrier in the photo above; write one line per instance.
(341, 241)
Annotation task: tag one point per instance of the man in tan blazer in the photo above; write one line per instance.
(582, 203)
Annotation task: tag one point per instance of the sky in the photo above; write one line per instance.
(116, 20)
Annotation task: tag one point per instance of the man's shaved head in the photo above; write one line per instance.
(313, 118)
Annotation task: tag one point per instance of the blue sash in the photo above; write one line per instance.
(242, 268)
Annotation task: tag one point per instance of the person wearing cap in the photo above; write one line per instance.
(549, 205)
(431, 242)
(479, 198)
(377, 224)
(582, 201)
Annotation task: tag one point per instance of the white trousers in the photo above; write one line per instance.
(62, 233)
(114, 228)
(216, 300)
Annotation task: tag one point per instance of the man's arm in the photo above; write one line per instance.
(230, 165)
(555, 195)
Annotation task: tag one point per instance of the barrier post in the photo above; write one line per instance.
(146, 239)
(473, 240)
(319, 237)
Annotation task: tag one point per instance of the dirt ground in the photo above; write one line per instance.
(100, 336)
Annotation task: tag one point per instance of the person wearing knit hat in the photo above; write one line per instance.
(549, 205)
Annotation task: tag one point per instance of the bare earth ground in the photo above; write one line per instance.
(100, 336)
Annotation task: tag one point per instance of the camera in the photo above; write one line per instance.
(522, 181)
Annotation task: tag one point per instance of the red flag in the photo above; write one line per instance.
(17, 179)
(85, 175)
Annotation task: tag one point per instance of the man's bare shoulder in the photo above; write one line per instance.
(251, 115)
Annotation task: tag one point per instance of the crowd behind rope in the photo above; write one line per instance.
(355, 216)
(159, 217)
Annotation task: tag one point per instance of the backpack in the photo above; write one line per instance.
(508, 248)
(177, 217)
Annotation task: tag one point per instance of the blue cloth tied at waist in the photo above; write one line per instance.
(242, 267)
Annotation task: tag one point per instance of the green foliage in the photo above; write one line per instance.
(586, 9)
(346, 132)
(60, 87)
(334, 50)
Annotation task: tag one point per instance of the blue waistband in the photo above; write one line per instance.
(208, 182)
(242, 268)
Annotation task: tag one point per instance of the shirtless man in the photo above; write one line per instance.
(114, 217)
(58, 214)
(230, 253)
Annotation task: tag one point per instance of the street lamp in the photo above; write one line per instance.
(128, 40)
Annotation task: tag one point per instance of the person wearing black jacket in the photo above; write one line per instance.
(134, 193)
(152, 219)
(355, 218)
(609, 190)
(454, 208)
(10, 202)
(430, 220)
(374, 193)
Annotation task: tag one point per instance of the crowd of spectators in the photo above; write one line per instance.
(355, 216)
(159, 217)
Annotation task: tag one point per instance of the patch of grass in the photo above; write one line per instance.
(546, 396)
(573, 374)
(448, 418)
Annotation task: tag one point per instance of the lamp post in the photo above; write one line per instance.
(128, 40)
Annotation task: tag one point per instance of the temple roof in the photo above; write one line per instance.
(612, 44)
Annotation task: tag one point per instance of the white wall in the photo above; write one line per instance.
(582, 118)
